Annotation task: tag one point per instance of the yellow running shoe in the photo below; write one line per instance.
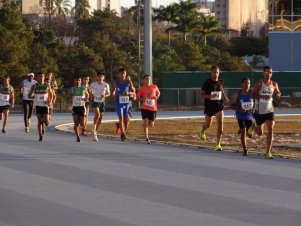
(251, 129)
(202, 136)
(218, 147)
(269, 156)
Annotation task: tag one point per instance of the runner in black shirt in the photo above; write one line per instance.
(214, 95)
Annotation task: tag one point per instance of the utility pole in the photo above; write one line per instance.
(148, 38)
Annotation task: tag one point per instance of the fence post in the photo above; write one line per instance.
(178, 104)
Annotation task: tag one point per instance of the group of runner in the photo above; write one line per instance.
(254, 108)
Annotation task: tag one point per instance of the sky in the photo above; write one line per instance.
(156, 3)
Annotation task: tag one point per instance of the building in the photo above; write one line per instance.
(285, 35)
(234, 14)
(102, 4)
(205, 6)
(30, 6)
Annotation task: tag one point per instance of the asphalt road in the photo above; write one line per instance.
(59, 182)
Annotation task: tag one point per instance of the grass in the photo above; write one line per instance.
(185, 131)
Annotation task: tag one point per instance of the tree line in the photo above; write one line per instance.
(183, 39)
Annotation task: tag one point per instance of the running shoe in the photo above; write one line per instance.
(218, 147)
(77, 139)
(202, 136)
(41, 138)
(122, 137)
(26, 129)
(269, 155)
(117, 128)
(147, 141)
(84, 133)
(245, 153)
(95, 138)
(3, 131)
(251, 129)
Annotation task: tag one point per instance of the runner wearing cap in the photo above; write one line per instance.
(27, 103)
(6, 97)
(149, 94)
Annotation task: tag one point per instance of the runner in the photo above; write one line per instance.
(149, 94)
(53, 84)
(214, 95)
(41, 92)
(27, 103)
(99, 90)
(243, 105)
(264, 110)
(79, 96)
(122, 90)
(7, 97)
(86, 80)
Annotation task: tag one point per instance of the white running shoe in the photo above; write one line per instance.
(95, 138)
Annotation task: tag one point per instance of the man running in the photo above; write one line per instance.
(53, 85)
(243, 104)
(149, 94)
(85, 81)
(7, 97)
(122, 90)
(214, 95)
(41, 92)
(79, 96)
(99, 90)
(27, 103)
(264, 109)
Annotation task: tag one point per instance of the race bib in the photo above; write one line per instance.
(42, 97)
(247, 106)
(4, 97)
(218, 95)
(150, 102)
(124, 99)
(78, 100)
(98, 99)
(26, 91)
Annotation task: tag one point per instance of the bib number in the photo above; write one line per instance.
(42, 98)
(5, 97)
(78, 100)
(218, 95)
(150, 102)
(247, 106)
(98, 99)
(124, 99)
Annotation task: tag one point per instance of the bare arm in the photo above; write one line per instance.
(12, 96)
(30, 96)
(277, 91)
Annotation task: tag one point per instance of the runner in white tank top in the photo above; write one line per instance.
(27, 102)
(264, 110)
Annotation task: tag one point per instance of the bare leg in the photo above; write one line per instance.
(220, 126)
(207, 123)
(5, 118)
(270, 127)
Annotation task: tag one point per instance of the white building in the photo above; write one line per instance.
(101, 4)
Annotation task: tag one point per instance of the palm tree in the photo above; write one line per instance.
(81, 10)
(62, 8)
(167, 14)
(209, 26)
(48, 9)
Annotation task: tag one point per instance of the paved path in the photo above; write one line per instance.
(59, 182)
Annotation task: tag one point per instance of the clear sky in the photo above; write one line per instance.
(156, 3)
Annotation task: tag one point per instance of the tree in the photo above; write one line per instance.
(14, 42)
(167, 14)
(81, 10)
(62, 8)
(206, 25)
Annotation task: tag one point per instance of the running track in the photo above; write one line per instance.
(59, 182)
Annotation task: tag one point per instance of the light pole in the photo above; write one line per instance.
(148, 38)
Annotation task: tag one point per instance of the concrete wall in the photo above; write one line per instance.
(285, 51)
